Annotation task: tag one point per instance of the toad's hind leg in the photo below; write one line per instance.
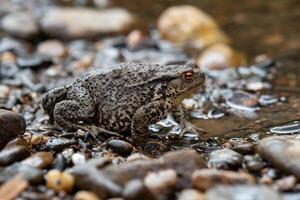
(81, 107)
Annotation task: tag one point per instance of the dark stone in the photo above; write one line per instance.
(34, 61)
(13, 154)
(120, 146)
(59, 143)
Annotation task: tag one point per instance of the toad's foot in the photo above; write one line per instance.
(95, 130)
(183, 128)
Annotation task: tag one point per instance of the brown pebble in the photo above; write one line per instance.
(52, 48)
(161, 183)
(13, 154)
(11, 125)
(120, 146)
(13, 188)
(40, 160)
(286, 183)
(7, 57)
(205, 179)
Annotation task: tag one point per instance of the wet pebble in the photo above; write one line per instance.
(225, 159)
(241, 100)
(283, 152)
(120, 146)
(20, 24)
(11, 125)
(205, 179)
(242, 192)
(39, 160)
(52, 48)
(13, 154)
(59, 181)
(136, 190)
(108, 21)
(290, 128)
(190, 194)
(162, 183)
(59, 143)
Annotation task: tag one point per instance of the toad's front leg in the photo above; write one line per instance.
(146, 115)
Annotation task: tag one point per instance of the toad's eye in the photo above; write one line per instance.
(188, 75)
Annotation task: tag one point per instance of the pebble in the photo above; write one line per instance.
(78, 159)
(189, 104)
(290, 128)
(59, 181)
(219, 57)
(59, 143)
(13, 154)
(137, 156)
(11, 125)
(161, 183)
(72, 22)
(89, 178)
(253, 164)
(225, 159)
(33, 61)
(242, 192)
(205, 179)
(38, 139)
(136, 190)
(283, 152)
(120, 146)
(32, 174)
(246, 148)
(188, 25)
(20, 24)
(85, 195)
(285, 184)
(241, 100)
(190, 194)
(39, 160)
(52, 48)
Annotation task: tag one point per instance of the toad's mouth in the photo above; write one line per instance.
(187, 94)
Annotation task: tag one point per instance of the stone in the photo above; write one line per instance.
(190, 194)
(52, 48)
(13, 154)
(205, 179)
(188, 25)
(86, 23)
(34, 61)
(242, 192)
(136, 190)
(220, 56)
(31, 174)
(89, 178)
(283, 152)
(162, 183)
(225, 159)
(120, 146)
(11, 125)
(59, 181)
(20, 24)
(59, 143)
(39, 160)
(85, 195)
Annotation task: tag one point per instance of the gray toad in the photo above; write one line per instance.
(124, 98)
